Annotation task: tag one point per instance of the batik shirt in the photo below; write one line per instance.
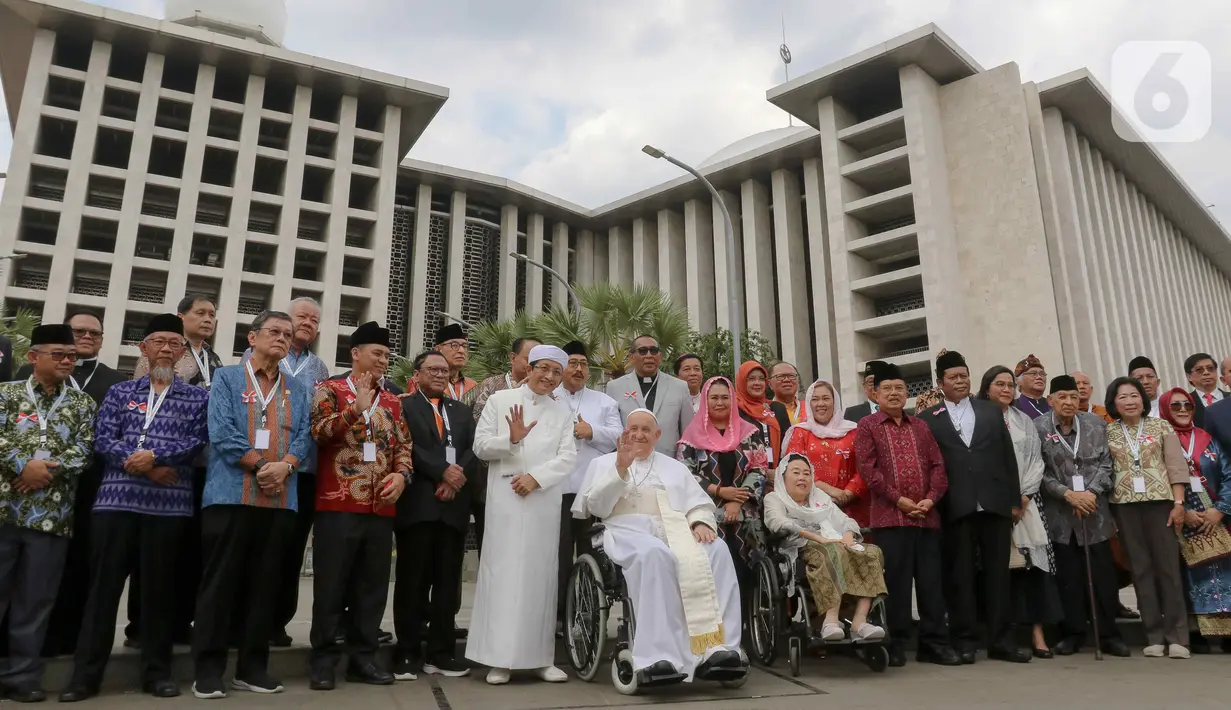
(1158, 461)
(186, 368)
(344, 481)
(899, 460)
(69, 437)
(177, 435)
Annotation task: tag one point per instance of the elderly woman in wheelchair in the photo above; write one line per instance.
(804, 522)
(657, 554)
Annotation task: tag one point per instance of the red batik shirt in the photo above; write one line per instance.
(344, 481)
(899, 460)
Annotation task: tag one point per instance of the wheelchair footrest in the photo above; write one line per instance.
(646, 679)
(721, 673)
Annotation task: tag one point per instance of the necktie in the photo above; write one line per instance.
(1209, 398)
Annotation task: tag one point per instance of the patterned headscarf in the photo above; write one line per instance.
(758, 407)
(701, 433)
(1028, 362)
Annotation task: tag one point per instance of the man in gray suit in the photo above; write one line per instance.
(647, 386)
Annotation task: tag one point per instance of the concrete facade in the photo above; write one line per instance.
(927, 203)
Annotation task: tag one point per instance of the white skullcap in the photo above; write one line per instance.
(548, 352)
(642, 410)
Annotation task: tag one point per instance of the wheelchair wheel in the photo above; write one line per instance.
(877, 658)
(795, 657)
(585, 613)
(765, 613)
(623, 677)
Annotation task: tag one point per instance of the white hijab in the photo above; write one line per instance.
(820, 514)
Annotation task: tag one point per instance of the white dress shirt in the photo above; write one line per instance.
(962, 414)
(603, 415)
(1154, 407)
(1215, 396)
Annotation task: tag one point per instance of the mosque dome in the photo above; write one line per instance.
(753, 142)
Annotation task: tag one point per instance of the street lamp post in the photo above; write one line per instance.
(737, 287)
(553, 272)
(463, 323)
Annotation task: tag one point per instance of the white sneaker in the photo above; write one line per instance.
(498, 676)
(551, 674)
(1155, 651)
(833, 632)
(1175, 650)
(868, 632)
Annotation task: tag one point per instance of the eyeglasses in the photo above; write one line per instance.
(437, 371)
(454, 345)
(1182, 406)
(549, 371)
(82, 332)
(1198, 370)
(785, 378)
(577, 364)
(279, 333)
(160, 343)
(70, 355)
(648, 350)
(1035, 373)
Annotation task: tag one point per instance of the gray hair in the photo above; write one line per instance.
(304, 299)
(267, 315)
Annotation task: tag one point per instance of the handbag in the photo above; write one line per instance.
(1200, 548)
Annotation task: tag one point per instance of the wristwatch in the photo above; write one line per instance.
(260, 464)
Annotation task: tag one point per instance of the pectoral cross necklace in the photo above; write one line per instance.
(637, 484)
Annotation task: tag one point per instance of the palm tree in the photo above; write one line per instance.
(18, 328)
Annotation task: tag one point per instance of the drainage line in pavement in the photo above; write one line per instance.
(442, 703)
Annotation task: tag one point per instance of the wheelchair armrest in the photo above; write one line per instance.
(779, 537)
(595, 533)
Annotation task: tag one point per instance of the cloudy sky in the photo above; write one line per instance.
(562, 94)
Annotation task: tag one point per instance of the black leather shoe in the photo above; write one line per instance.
(1012, 655)
(966, 657)
(1067, 646)
(322, 679)
(165, 688)
(1042, 653)
(1125, 613)
(897, 657)
(77, 693)
(369, 674)
(941, 657)
(281, 639)
(459, 632)
(384, 637)
(1117, 648)
(29, 692)
(1198, 644)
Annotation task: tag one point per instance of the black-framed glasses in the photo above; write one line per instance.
(549, 371)
(82, 332)
(648, 350)
(1182, 406)
(60, 355)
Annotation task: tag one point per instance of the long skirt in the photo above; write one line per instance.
(1036, 599)
(1209, 596)
(835, 571)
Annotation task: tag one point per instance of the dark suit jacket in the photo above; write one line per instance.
(1199, 414)
(857, 412)
(6, 359)
(419, 503)
(984, 473)
(1218, 423)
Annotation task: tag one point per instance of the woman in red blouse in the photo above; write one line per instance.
(827, 439)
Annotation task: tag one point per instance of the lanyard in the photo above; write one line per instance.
(263, 399)
(581, 395)
(1188, 453)
(1076, 439)
(151, 409)
(444, 417)
(81, 387)
(454, 394)
(303, 362)
(1134, 444)
(1037, 411)
(646, 397)
(202, 363)
(508, 381)
(367, 416)
(42, 418)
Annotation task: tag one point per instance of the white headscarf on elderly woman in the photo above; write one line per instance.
(820, 514)
(838, 425)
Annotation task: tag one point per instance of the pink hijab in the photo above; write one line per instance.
(838, 425)
(702, 435)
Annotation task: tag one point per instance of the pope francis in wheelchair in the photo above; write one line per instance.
(656, 554)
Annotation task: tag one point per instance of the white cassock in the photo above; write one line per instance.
(603, 415)
(514, 620)
(648, 521)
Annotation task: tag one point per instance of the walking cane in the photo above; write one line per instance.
(1098, 647)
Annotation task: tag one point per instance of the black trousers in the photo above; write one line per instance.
(1075, 595)
(66, 616)
(120, 541)
(574, 542)
(913, 556)
(429, 559)
(976, 548)
(187, 574)
(242, 546)
(31, 563)
(351, 553)
(290, 568)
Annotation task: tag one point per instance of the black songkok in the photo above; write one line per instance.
(576, 347)
(883, 371)
(1139, 362)
(165, 323)
(948, 359)
(1063, 383)
(452, 331)
(52, 334)
(369, 334)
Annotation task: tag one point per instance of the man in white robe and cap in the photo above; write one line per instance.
(526, 437)
(660, 529)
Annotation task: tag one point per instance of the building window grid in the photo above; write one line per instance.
(899, 304)
(433, 291)
(479, 287)
(401, 248)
